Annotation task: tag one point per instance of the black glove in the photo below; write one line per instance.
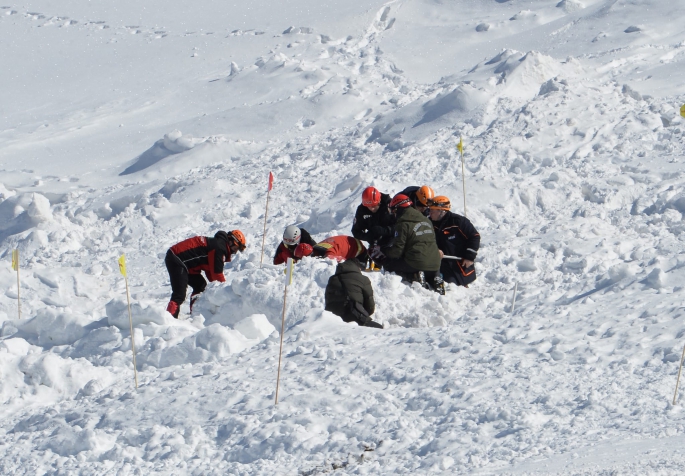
(379, 232)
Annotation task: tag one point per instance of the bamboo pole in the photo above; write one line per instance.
(266, 213)
(288, 280)
(133, 340)
(15, 265)
(513, 299)
(122, 269)
(675, 394)
(460, 147)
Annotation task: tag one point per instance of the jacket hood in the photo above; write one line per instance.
(348, 266)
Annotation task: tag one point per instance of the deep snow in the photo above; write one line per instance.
(126, 129)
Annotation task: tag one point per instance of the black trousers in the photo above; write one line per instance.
(401, 268)
(180, 278)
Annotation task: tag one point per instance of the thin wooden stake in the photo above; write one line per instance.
(280, 351)
(266, 213)
(133, 340)
(15, 265)
(675, 394)
(122, 269)
(288, 280)
(513, 299)
(463, 177)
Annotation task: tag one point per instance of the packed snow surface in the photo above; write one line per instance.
(126, 127)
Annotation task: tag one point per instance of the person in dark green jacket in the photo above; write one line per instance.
(414, 254)
(348, 281)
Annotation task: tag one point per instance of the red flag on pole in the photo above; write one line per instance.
(271, 182)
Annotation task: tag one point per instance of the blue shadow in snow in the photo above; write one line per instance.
(148, 158)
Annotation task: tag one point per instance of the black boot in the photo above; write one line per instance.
(420, 278)
(439, 285)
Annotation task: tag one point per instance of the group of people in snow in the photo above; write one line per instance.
(413, 234)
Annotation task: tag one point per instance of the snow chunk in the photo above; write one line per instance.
(256, 326)
(570, 6)
(50, 328)
(176, 142)
(117, 314)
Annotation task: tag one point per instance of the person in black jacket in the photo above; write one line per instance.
(348, 282)
(373, 222)
(456, 236)
(186, 260)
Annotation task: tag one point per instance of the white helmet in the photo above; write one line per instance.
(292, 235)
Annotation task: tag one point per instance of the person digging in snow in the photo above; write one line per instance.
(339, 248)
(349, 294)
(186, 260)
(292, 236)
(414, 255)
(455, 236)
(373, 222)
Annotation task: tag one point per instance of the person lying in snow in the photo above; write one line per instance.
(339, 248)
(349, 294)
(373, 222)
(292, 236)
(186, 260)
(455, 236)
(414, 255)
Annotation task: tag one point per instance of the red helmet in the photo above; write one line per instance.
(371, 197)
(303, 249)
(400, 201)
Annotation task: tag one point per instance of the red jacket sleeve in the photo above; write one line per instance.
(215, 270)
(282, 254)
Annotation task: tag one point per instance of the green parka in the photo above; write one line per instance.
(415, 241)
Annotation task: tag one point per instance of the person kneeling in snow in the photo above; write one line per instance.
(339, 248)
(455, 236)
(349, 294)
(187, 259)
(414, 255)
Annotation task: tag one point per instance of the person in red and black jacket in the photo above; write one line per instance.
(292, 236)
(455, 236)
(186, 260)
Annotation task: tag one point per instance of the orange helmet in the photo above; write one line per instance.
(424, 195)
(441, 202)
(238, 239)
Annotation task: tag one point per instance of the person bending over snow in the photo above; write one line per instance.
(186, 260)
(349, 294)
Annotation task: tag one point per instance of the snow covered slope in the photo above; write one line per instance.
(126, 128)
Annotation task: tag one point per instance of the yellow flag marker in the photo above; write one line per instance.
(15, 267)
(460, 146)
(682, 110)
(122, 265)
(122, 269)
